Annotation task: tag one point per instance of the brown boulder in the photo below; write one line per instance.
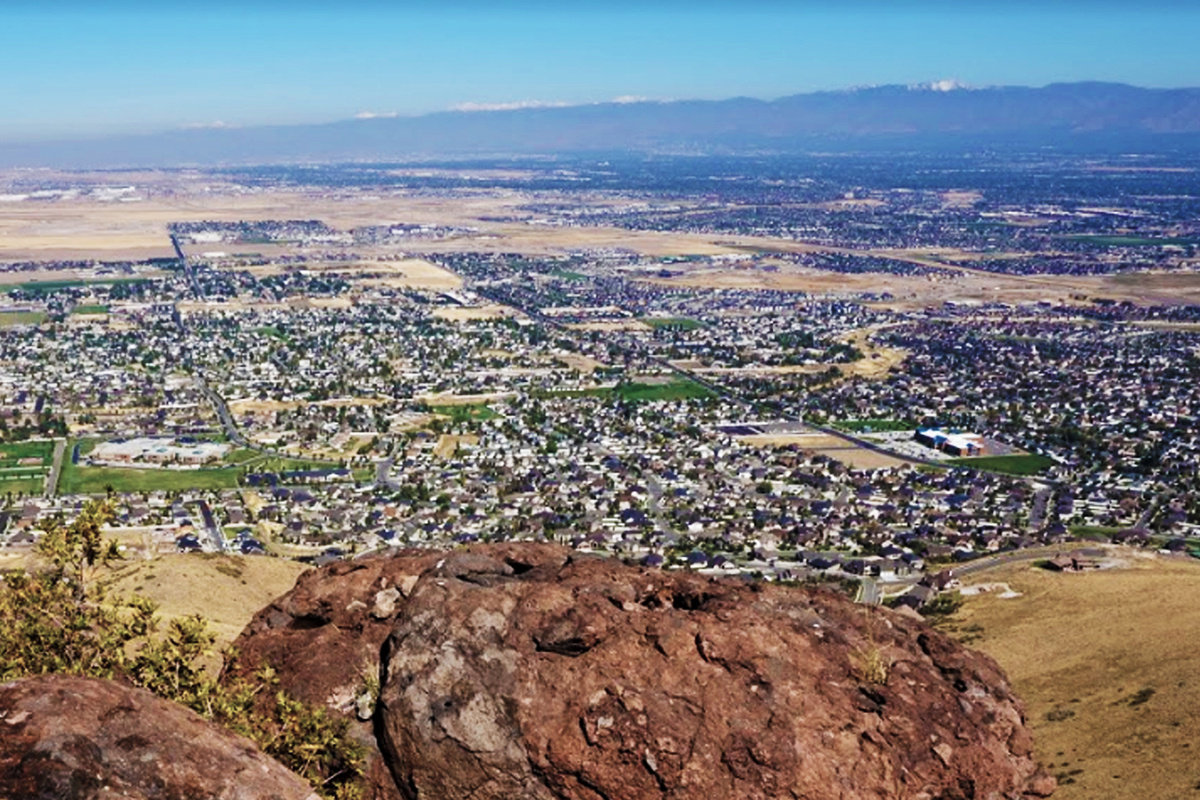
(70, 738)
(324, 636)
(534, 672)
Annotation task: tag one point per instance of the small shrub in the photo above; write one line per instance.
(943, 605)
(1059, 714)
(872, 664)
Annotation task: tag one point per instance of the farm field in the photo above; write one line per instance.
(1105, 663)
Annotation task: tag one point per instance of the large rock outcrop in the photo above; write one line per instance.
(545, 674)
(531, 671)
(323, 639)
(69, 738)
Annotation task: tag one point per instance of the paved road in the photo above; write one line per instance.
(210, 525)
(1017, 556)
(50, 485)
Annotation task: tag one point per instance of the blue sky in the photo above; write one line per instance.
(75, 70)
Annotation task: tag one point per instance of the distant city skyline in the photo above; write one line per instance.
(77, 70)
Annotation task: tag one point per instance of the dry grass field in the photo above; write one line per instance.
(877, 360)
(836, 448)
(226, 590)
(448, 444)
(448, 399)
(580, 363)
(87, 226)
(468, 313)
(1106, 663)
(611, 326)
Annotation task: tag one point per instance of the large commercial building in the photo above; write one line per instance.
(158, 451)
(955, 443)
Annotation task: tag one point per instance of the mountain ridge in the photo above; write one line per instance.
(941, 113)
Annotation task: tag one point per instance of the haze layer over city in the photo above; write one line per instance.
(857, 346)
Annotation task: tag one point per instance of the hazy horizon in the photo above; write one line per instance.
(86, 71)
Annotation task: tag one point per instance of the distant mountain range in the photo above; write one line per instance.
(1071, 115)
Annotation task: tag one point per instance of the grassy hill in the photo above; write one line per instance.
(227, 590)
(1106, 662)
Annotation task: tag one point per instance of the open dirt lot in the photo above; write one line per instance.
(841, 450)
(1105, 662)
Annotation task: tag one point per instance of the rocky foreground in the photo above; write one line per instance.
(524, 671)
(67, 737)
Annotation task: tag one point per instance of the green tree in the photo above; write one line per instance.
(54, 620)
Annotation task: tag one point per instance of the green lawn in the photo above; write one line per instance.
(280, 464)
(273, 332)
(679, 389)
(240, 455)
(1098, 533)
(11, 318)
(873, 425)
(568, 275)
(94, 309)
(675, 390)
(18, 450)
(96, 480)
(1027, 464)
(673, 323)
(465, 413)
(45, 287)
(26, 486)
(19, 473)
(1133, 241)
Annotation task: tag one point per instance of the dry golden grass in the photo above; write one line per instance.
(611, 326)
(877, 360)
(961, 199)
(241, 407)
(465, 314)
(581, 363)
(448, 444)
(448, 399)
(226, 590)
(1105, 662)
